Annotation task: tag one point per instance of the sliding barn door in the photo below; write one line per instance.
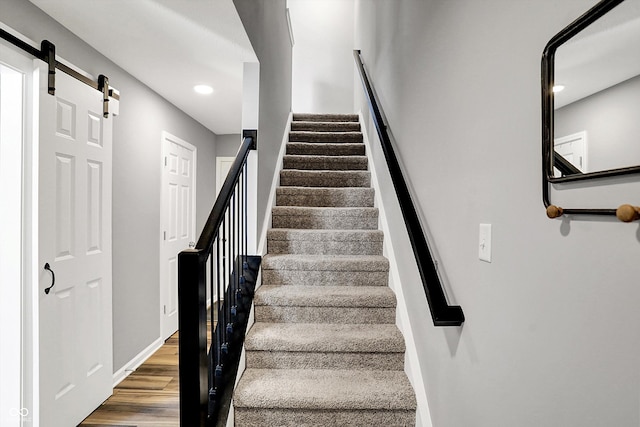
(75, 324)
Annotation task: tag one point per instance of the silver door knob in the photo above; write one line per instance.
(192, 245)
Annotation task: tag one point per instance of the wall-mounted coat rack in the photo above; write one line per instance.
(47, 53)
(550, 158)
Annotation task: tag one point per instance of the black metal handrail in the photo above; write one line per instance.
(442, 313)
(220, 264)
(563, 165)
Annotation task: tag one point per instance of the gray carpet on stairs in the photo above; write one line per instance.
(324, 349)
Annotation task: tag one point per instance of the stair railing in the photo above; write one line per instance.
(219, 267)
(442, 313)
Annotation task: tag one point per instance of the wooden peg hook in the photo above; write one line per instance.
(628, 213)
(554, 211)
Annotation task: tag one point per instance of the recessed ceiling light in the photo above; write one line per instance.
(203, 89)
(558, 88)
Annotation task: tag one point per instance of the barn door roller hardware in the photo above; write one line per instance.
(47, 53)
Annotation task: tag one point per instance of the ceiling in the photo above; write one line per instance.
(601, 56)
(171, 46)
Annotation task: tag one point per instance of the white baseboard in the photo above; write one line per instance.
(262, 246)
(412, 365)
(135, 363)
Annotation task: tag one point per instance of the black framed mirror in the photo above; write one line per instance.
(591, 98)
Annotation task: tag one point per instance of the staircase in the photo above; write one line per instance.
(324, 349)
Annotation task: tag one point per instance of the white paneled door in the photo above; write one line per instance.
(74, 189)
(177, 221)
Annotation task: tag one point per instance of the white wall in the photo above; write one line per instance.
(551, 333)
(322, 75)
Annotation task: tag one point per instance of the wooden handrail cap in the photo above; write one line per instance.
(628, 213)
(554, 211)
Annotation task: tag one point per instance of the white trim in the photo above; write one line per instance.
(31, 331)
(289, 27)
(220, 179)
(580, 137)
(412, 365)
(136, 361)
(28, 388)
(262, 246)
(13, 144)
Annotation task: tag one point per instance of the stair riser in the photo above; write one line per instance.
(295, 418)
(323, 248)
(294, 178)
(325, 149)
(302, 117)
(324, 360)
(325, 222)
(345, 163)
(325, 126)
(324, 278)
(325, 137)
(270, 313)
(321, 197)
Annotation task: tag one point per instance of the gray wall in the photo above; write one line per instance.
(227, 145)
(266, 26)
(610, 118)
(136, 179)
(551, 336)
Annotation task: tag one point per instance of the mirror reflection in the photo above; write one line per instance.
(597, 94)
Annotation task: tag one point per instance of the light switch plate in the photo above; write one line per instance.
(484, 248)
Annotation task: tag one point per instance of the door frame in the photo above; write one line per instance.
(219, 177)
(15, 306)
(578, 138)
(167, 137)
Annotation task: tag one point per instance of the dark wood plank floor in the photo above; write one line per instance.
(147, 397)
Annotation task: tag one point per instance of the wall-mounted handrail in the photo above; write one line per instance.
(218, 264)
(442, 313)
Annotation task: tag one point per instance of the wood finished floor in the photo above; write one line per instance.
(148, 397)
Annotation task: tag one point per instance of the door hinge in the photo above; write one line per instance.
(165, 160)
(164, 308)
(164, 233)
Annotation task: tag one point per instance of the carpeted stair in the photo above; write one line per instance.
(324, 349)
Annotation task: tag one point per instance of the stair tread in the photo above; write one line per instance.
(324, 389)
(325, 296)
(325, 337)
(351, 263)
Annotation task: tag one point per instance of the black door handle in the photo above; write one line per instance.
(53, 278)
